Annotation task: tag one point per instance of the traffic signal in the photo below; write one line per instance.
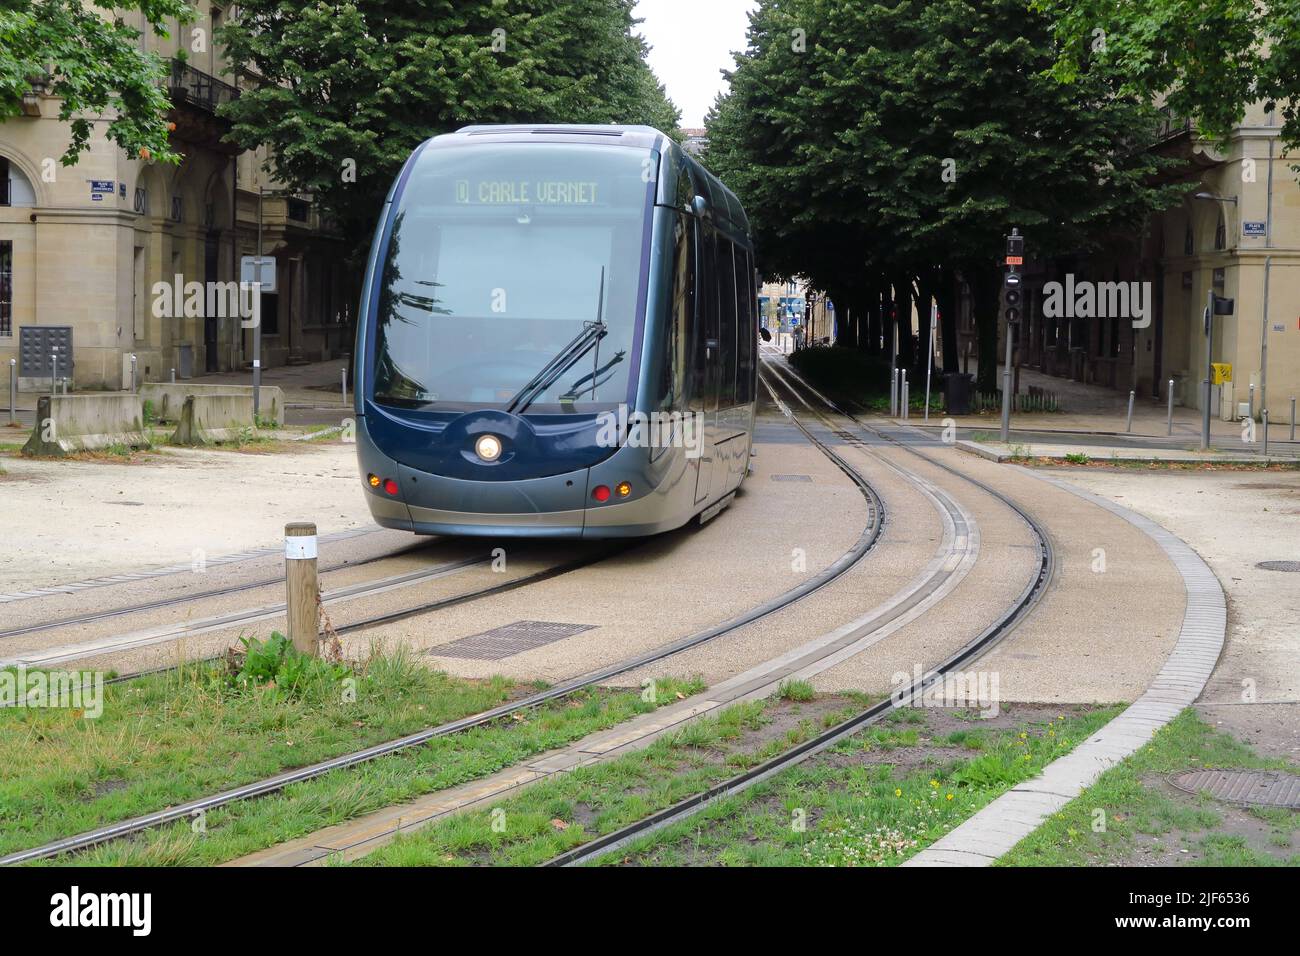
(1011, 297)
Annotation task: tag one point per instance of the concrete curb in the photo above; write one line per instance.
(1136, 454)
(994, 830)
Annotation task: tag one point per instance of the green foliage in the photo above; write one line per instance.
(1205, 60)
(277, 663)
(839, 150)
(94, 61)
(356, 87)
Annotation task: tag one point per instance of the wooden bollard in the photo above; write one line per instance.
(300, 585)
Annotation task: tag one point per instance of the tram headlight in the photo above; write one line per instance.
(488, 447)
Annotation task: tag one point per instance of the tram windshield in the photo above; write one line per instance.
(500, 256)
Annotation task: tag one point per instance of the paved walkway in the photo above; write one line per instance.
(1094, 408)
(994, 830)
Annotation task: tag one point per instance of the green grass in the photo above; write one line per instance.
(1131, 807)
(840, 812)
(796, 690)
(843, 806)
(1077, 458)
(172, 737)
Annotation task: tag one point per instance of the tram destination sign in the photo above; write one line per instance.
(539, 192)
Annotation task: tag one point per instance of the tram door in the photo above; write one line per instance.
(706, 360)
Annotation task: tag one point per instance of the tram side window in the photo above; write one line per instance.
(676, 355)
(704, 322)
(745, 331)
(726, 286)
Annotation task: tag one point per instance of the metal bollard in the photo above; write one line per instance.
(54, 370)
(1252, 401)
(1292, 415)
(343, 374)
(13, 394)
(173, 376)
(133, 373)
(904, 398)
(301, 588)
(1263, 415)
(1128, 425)
(1170, 429)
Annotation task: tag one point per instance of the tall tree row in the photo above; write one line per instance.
(885, 149)
(342, 92)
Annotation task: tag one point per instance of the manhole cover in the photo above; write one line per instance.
(1258, 788)
(792, 477)
(1279, 565)
(507, 640)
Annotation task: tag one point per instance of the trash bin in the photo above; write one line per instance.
(956, 393)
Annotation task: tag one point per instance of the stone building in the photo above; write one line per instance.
(83, 248)
(1236, 232)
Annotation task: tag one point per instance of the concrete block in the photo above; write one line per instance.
(167, 398)
(205, 419)
(72, 423)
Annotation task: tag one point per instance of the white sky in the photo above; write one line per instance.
(691, 40)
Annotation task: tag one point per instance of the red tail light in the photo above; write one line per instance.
(600, 493)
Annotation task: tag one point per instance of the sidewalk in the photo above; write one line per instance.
(307, 388)
(1099, 411)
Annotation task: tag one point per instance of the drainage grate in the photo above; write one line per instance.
(792, 477)
(1279, 565)
(507, 640)
(1258, 788)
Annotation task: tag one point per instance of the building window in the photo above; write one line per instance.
(1220, 235)
(178, 210)
(1189, 242)
(6, 288)
(4, 181)
(141, 200)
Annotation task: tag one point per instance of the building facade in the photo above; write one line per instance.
(86, 251)
(1236, 233)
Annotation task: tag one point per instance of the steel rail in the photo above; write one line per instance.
(1023, 605)
(198, 596)
(866, 541)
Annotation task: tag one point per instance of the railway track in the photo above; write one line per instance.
(865, 542)
(951, 563)
(1023, 605)
(189, 598)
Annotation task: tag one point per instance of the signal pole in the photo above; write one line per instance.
(1010, 309)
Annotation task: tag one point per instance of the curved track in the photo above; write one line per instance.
(866, 540)
(1021, 607)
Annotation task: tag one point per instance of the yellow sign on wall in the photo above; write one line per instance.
(1222, 372)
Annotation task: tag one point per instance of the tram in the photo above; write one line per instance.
(557, 337)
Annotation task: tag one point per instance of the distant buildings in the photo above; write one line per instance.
(83, 249)
(696, 140)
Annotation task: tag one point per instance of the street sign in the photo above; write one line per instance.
(1254, 228)
(1222, 372)
(254, 269)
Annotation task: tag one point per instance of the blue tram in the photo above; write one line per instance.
(558, 337)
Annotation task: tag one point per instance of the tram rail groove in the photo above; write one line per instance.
(199, 596)
(115, 831)
(1024, 604)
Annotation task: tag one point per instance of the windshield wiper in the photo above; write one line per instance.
(592, 332)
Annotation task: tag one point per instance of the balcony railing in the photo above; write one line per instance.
(192, 87)
(1169, 126)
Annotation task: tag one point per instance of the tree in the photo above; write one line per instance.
(914, 134)
(1206, 60)
(341, 93)
(94, 64)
